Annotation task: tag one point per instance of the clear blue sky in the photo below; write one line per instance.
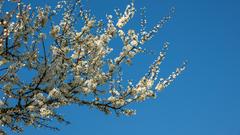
(205, 100)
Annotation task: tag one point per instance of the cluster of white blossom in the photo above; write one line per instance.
(128, 14)
(67, 62)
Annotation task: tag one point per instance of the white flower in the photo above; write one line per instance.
(31, 107)
(59, 6)
(74, 55)
(39, 96)
(114, 92)
(121, 33)
(140, 89)
(99, 42)
(55, 30)
(55, 50)
(134, 43)
(159, 86)
(45, 112)
(174, 76)
(86, 90)
(1, 103)
(3, 61)
(129, 112)
(112, 99)
(131, 54)
(150, 93)
(119, 102)
(128, 47)
(120, 23)
(129, 100)
(78, 35)
(1, 42)
(90, 23)
(142, 97)
(91, 84)
(7, 119)
(6, 32)
(131, 32)
(149, 83)
(54, 93)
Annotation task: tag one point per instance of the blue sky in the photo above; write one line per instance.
(204, 100)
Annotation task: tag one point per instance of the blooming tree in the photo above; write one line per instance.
(69, 63)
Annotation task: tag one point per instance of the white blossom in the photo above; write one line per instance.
(3, 61)
(112, 99)
(67, 53)
(54, 31)
(45, 112)
(129, 112)
(54, 93)
(159, 86)
(31, 107)
(1, 103)
(128, 14)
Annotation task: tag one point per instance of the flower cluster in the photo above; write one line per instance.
(128, 14)
(68, 62)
